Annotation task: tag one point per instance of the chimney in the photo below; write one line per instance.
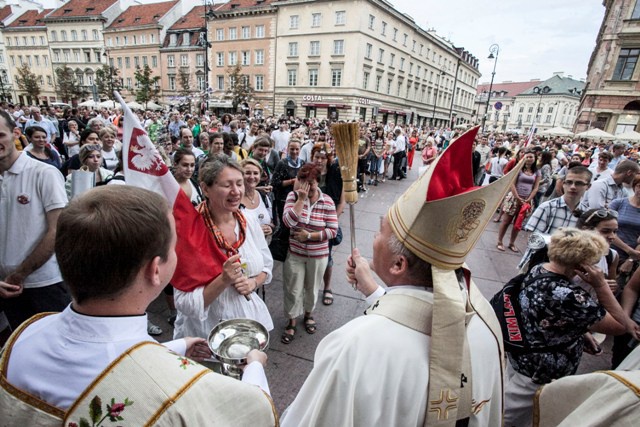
(559, 74)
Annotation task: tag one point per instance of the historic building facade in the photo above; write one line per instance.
(364, 59)
(611, 99)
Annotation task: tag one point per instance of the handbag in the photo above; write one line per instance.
(279, 246)
(338, 239)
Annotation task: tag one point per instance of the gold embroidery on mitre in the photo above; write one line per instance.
(476, 408)
(444, 404)
(462, 225)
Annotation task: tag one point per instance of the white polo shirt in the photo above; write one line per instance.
(28, 190)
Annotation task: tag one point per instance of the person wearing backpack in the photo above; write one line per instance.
(555, 312)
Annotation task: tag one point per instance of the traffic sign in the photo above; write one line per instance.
(498, 105)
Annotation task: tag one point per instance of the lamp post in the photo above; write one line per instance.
(435, 94)
(206, 45)
(494, 50)
(540, 91)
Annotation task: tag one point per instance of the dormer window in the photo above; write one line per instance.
(68, 11)
(89, 9)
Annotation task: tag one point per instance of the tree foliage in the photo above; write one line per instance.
(184, 80)
(239, 89)
(147, 86)
(108, 80)
(28, 82)
(67, 85)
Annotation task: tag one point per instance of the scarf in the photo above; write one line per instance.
(230, 249)
(296, 164)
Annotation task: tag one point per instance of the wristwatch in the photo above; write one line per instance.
(308, 236)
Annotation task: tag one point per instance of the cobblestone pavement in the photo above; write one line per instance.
(289, 365)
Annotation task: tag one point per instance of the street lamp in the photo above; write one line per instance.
(206, 45)
(494, 50)
(539, 91)
(442, 72)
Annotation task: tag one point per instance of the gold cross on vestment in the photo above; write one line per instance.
(444, 404)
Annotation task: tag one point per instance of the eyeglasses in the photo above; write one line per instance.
(602, 213)
(576, 183)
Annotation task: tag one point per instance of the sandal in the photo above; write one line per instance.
(514, 249)
(327, 297)
(310, 325)
(287, 338)
(153, 329)
(500, 247)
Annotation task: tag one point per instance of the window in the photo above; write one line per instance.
(378, 80)
(372, 21)
(200, 82)
(220, 80)
(84, 34)
(87, 56)
(381, 55)
(54, 36)
(401, 64)
(367, 51)
(246, 32)
(384, 28)
(96, 35)
(186, 39)
(184, 60)
(220, 34)
(13, 60)
(406, 37)
(413, 48)
(145, 61)
(389, 81)
(316, 19)
(200, 60)
(259, 57)
(246, 57)
(49, 81)
(36, 59)
(67, 56)
(410, 67)
(233, 58)
(97, 56)
(143, 39)
(74, 35)
(627, 60)
(293, 49)
(136, 61)
(33, 40)
(259, 85)
(154, 61)
(336, 77)
(1, 58)
(292, 77)
(127, 62)
(220, 59)
(341, 17)
(259, 31)
(119, 62)
(171, 60)
(173, 39)
(365, 80)
(152, 38)
(314, 48)
(172, 82)
(338, 47)
(76, 55)
(233, 33)
(294, 22)
(392, 58)
(395, 34)
(29, 61)
(313, 77)
(63, 35)
(232, 81)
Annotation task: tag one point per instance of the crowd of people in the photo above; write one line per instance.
(270, 189)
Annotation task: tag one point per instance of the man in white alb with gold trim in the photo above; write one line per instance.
(94, 363)
(429, 349)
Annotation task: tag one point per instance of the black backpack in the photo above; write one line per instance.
(506, 305)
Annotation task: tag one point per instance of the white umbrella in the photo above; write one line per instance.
(153, 106)
(630, 135)
(595, 133)
(134, 105)
(557, 131)
(108, 104)
(90, 103)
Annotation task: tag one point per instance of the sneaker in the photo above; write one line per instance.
(153, 329)
(375, 183)
(172, 319)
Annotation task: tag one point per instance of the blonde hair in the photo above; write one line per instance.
(572, 247)
(252, 162)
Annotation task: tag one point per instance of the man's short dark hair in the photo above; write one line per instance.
(105, 237)
(580, 170)
(11, 124)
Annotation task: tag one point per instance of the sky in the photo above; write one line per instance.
(536, 37)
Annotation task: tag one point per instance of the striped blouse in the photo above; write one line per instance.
(321, 216)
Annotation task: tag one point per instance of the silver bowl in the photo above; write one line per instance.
(231, 341)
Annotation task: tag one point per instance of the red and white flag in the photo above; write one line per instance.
(199, 258)
(530, 135)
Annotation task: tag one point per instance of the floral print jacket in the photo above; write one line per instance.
(555, 311)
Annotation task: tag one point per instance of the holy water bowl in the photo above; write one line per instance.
(231, 341)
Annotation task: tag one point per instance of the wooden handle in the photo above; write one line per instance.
(350, 189)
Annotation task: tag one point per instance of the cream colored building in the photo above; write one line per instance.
(243, 33)
(354, 59)
(26, 44)
(75, 36)
(134, 38)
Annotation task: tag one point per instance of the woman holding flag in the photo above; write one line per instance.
(231, 294)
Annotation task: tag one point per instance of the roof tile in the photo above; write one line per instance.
(193, 19)
(511, 88)
(143, 14)
(77, 8)
(5, 12)
(242, 4)
(31, 18)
